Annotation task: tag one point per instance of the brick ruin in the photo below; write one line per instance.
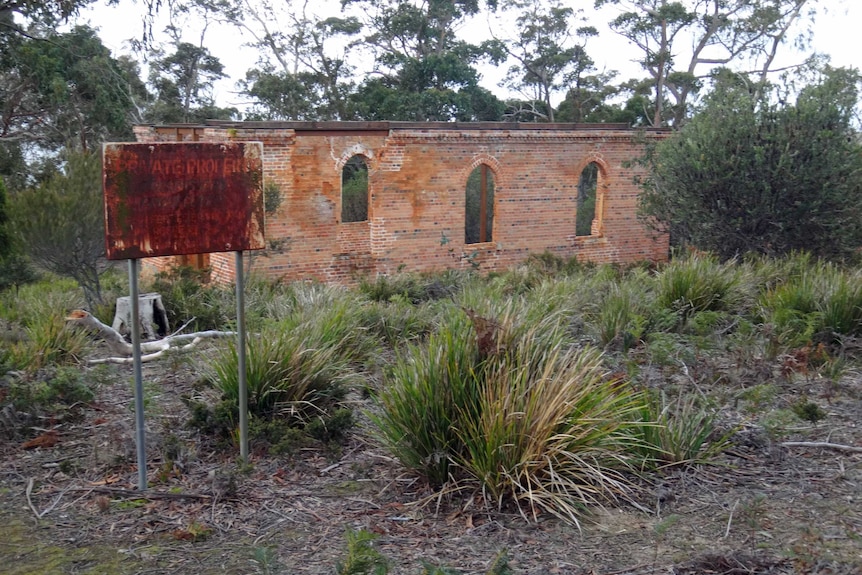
(375, 198)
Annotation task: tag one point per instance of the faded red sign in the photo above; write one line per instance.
(182, 198)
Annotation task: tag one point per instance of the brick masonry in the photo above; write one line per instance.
(417, 180)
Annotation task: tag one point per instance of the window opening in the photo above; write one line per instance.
(479, 224)
(587, 186)
(354, 190)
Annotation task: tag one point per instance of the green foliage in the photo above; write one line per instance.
(61, 224)
(548, 52)
(424, 393)
(821, 303)
(48, 341)
(56, 393)
(14, 268)
(183, 83)
(290, 371)
(747, 175)
(362, 558)
(65, 89)
(807, 410)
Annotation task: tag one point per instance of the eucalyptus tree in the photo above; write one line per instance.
(60, 90)
(548, 52)
(422, 70)
(682, 40)
(183, 81)
(302, 71)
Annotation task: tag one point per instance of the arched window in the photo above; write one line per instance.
(354, 190)
(479, 221)
(587, 192)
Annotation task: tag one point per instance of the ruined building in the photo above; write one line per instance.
(347, 199)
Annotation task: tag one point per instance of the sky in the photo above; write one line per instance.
(836, 32)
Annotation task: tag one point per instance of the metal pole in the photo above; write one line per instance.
(240, 330)
(140, 439)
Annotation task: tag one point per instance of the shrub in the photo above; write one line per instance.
(755, 174)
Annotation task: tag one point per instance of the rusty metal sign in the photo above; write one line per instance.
(182, 198)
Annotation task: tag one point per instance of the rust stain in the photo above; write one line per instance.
(183, 198)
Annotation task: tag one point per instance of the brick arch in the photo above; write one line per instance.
(478, 160)
(356, 149)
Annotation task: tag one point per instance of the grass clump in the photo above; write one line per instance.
(698, 283)
(676, 433)
(298, 370)
(510, 411)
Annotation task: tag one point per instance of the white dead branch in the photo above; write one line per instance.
(150, 350)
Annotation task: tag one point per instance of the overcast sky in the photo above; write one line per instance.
(836, 32)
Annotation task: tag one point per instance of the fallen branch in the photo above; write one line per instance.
(151, 349)
(824, 445)
(38, 514)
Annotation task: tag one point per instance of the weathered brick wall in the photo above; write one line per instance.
(417, 181)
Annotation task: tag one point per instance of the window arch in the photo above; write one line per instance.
(588, 200)
(479, 206)
(354, 190)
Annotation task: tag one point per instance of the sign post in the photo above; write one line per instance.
(171, 199)
(140, 433)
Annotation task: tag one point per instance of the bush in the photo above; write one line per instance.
(748, 175)
(698, 283)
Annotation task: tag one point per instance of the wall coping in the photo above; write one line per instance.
(386, 126)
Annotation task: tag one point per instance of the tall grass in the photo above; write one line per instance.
(427, 389)
(548, 434)
(821, 303)
(298, 365)
(528, 420)
(698, 283)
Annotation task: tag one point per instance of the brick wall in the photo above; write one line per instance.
(417, 181)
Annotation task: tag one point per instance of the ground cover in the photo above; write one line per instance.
(754, 359)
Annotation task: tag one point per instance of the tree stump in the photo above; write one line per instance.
(154, 318)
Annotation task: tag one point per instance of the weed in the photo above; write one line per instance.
(362, 558)
(807, 410)
(266, 560)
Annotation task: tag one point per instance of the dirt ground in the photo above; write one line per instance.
(67, 500)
